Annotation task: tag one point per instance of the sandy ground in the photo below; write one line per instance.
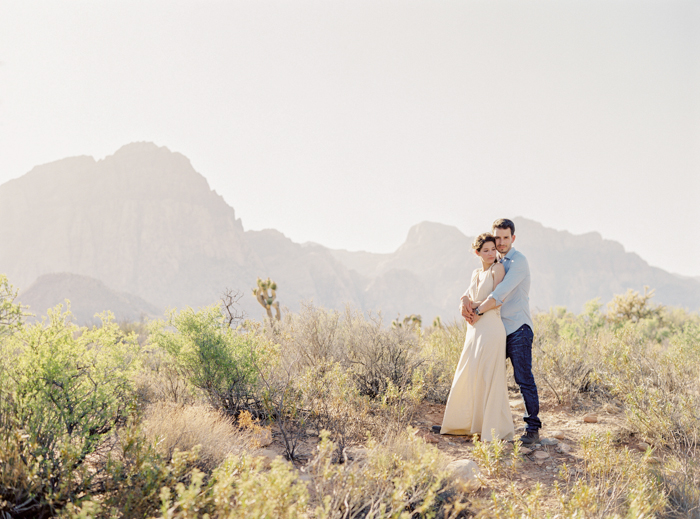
(560, 421)
(567, 425)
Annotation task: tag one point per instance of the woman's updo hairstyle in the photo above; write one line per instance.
(483, 238)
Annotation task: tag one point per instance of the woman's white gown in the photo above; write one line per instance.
(478, 401)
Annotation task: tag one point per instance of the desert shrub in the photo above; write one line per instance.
(135, 472)
(162, 380)
(632, 307)
(566, 351)
(241, 486)
(659, 386)
(21, 487)
(400, 477)
(214, 358)
(399, 405)
(441, 350)
(614, 482)
(64, 389)
(343, 372)
(493, 457)
(335, 404)
(315, 335)
(377, 356)
(371, 353)
(11, 314)
(679, 475)
(138, 328)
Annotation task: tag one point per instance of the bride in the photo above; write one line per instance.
(478, 401)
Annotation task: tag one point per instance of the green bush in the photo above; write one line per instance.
(63, 390)
(213, 357)
(10, 313)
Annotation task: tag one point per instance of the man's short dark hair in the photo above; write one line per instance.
(504, 223)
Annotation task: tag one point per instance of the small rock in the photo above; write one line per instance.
(610, 408)
(558, 435)
(549, 441)
(541, 455)
(263, 437)
(467, 473)
(428, 437)
(268, 455)
(311, 432)
(525, 451)
(642, 446)
(564, 448)
(590, 418)
(518, 405)
(356, 453)
(305, 477)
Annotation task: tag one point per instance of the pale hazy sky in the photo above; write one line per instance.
(345, 123)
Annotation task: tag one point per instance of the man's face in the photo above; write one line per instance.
(504, 240)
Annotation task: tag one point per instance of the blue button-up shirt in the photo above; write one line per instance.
(514, 292)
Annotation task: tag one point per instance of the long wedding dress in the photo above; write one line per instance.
(478, 401)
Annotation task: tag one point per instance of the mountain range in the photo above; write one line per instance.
(140, 231)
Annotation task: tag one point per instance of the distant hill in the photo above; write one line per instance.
(567, 270)
(87, 296)
(144, 222)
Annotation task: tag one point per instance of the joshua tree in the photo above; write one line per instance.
(267, 299)
(412, 321)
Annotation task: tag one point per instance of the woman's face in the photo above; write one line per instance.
(488, 252)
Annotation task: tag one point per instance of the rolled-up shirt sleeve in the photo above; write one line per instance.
(517, 272)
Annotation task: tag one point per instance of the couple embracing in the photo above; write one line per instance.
(497, 308)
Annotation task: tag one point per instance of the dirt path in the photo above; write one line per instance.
(540, 464)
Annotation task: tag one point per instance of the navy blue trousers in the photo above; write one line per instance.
(519, 351)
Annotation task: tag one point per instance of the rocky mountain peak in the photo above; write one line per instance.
(431, 234)
(141, 220)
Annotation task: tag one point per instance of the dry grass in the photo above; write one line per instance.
(184, 427)
(159, 380)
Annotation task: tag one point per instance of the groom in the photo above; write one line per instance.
(513, 294)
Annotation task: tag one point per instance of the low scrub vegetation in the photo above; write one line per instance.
(175, 418)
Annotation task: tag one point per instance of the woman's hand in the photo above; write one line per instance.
(466, 308)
